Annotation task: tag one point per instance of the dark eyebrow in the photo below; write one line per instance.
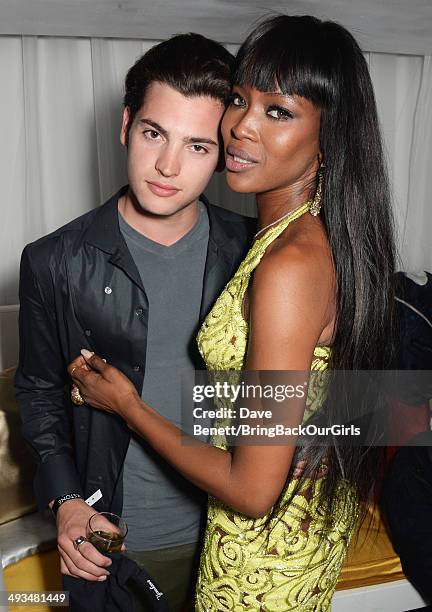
(186, 140)
(156, 126)
(194, 140)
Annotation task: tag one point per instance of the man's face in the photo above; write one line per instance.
(172, 149)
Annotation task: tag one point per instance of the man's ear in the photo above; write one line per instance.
(124, 132)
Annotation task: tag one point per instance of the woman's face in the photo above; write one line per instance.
(271, 142)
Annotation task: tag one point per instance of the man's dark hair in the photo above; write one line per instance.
(190, 63)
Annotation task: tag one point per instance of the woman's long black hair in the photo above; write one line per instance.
(321, 61)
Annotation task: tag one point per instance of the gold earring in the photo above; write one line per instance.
(315, 207)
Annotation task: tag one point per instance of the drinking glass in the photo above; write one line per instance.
(106, 531)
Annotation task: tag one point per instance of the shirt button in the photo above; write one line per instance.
(136, 368)
(139, 311)
(88, 332)
(108, 290)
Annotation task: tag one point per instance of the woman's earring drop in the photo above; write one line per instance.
(315, 207)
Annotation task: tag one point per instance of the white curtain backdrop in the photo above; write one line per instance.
(60, 154)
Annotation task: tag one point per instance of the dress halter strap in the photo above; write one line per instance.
(275, 230)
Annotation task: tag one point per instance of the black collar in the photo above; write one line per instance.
(104, 230)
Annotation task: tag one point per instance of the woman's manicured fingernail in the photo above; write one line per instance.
(87, 354)
(102, 578)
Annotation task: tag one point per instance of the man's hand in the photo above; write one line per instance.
(86, 562)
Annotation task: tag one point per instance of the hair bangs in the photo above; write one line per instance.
(273, 60)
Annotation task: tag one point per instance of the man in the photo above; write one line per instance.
(132, 280)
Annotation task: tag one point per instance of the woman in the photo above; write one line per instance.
(302, 133)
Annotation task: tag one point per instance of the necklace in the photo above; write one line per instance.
(291, 212)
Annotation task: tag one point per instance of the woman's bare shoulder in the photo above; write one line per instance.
(292, 302)
(291, 266)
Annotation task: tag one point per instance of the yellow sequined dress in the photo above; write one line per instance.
(279, 562)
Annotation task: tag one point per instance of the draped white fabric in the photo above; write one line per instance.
(60, 154)
(417, 226)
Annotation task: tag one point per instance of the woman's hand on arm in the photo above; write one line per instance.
(285, 325)
(101, 385)
(104, 387)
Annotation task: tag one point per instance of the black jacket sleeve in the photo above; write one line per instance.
(40, 381)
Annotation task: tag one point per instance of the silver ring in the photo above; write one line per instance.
(79, 540)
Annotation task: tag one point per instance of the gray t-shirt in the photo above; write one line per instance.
(161, 508)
